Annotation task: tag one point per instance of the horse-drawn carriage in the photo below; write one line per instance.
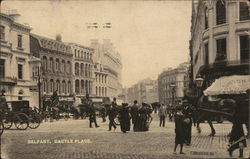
(20, 114)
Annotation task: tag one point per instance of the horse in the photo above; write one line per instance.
(225, 108)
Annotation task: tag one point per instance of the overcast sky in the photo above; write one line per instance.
(149, 35)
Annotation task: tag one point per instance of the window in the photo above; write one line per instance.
(44, 86)
(2, 32)
(2, 68)
(19, 41)
(69, 86)
(20, 71)
(44, 63)
(63, 66)
(206, 18)
(206, 54)
(57, 65)
(58, 88)
(244, 47)
(51, 83)
(82, 86)
(220, 12)
(244, 11)
(63, 87)
(221, 53)
(51, 64)
(77, 86)
(68, 67)
(76, 68)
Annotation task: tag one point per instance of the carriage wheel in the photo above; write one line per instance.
(1, 128)
(35, 121)
(22, 121)
(6, 123)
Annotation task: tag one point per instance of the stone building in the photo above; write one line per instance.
(110, 60)
(143, 91)
(101, 81)
(219, 44)
(172, 84)
(83, 69)
(56, 64)
(16, 59)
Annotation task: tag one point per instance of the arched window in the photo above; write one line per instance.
(84, 55)
(89, 71)
(51, 86)
(96, 91)
(63, 66)
(58, 86)
(44, 63)
(82, 69)
(51, 64)
(87, 86)
(206, 18)
(57, 65)
(87, 55)
(82, 87)
(68, 67)
(69, 87)
(63, 87)
(244, 11)
(105, 91)
(78, 53)
(102, 91)
(220, 12)
(90, 57)
(86, 70)
(77, 86)
(77, 69)
(45, 86)
(81, 54)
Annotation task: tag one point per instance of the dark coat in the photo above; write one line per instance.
(179, 129)
(111, 112)
(142, 119)
(124, 119)
(134, 113)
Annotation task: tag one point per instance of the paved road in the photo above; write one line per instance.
(73, 139)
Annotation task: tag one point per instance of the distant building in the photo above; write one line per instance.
(83, 69)
(16, 61)
(56, 64)
(101, 81)
(144, 91)
(110, 61)
(178, 79)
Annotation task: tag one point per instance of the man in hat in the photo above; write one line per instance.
(134, 115)
(187, 111)
(143, 118)
(162, 114)
(111, 112)
(179, 129)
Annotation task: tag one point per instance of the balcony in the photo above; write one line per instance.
(11, 81)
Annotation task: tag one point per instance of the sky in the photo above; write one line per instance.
(149, 35)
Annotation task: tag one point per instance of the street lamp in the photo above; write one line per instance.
(199, 83)
(172, 86)
(39, 90)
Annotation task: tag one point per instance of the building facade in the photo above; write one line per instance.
(56, 65)
(83, 69)
(16, 59)
(144, 91)
(219, 43)
(101, 81)
(172, 84)
(110, 59)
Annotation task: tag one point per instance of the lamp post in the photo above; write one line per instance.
(172, 86)
(39, 90)
(199, 83)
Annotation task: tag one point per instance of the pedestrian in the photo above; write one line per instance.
(134, 115)
(162, 114)
(142, 118)
(187, 111)
(179, 129)
(237, 138)
(111, 112)
(92, 114)
(124, 118)
(114, 102)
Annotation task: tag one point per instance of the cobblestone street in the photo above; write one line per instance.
(91, 143)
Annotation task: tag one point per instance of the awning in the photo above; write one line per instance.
(236, 84)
